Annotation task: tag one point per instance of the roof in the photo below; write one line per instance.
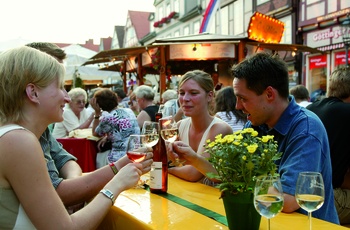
(89, 44)
(123, 53)
(208, 37)
(198, 38)
(140, 22)
(106, 43)
(285, 47)
(116, 54)
(120, 30)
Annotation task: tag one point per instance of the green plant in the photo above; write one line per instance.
(240, 157)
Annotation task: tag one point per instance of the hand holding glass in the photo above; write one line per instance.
(309, 192)
(169, 133)
(136, 148)
(151, 131)
(268, 197)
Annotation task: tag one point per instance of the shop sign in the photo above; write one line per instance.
(319, 61)
(266, 29)
(201, 51)
(325, 37)
(339, 58)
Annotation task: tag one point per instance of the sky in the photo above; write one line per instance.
(65, 21)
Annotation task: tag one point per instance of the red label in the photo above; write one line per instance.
(339, 58)
(318, 62)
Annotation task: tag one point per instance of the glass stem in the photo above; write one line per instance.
(309, 214)
(268, 224)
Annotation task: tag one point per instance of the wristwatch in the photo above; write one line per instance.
(109, 195)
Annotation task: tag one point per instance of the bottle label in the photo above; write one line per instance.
(156, 175)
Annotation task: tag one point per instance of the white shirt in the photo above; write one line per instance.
(304, 103)
(69, 123)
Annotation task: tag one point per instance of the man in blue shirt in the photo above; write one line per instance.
(261, 87)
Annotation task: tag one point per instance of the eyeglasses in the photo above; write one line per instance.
(79, 102)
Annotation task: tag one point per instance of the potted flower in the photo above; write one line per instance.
(239, 158)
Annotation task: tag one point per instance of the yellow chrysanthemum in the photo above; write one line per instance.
(252, 148)
(264, 139)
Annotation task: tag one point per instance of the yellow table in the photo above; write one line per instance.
(140, 209)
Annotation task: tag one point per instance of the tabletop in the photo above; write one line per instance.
(188, 205)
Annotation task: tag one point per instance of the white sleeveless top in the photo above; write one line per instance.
(12, 214)
(185, 127)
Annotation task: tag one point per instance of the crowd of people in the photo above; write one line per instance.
(63, 197)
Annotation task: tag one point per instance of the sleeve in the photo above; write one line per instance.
(55, 156)
(303, 152)
(105, 126)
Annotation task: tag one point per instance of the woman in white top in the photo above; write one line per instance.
(75, 115)
(196, 92)
(225, 109)
(32, 96)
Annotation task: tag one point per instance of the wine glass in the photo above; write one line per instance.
(268, 197)
(151, 131)
(309, 192)
(169, 133)
(136, 148)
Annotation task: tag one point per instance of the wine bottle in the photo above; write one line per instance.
(159, 168)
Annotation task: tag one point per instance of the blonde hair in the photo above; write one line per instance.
(339, 83)
(76, 92)
(19, 67)
(144, 91)
(203, 79)
(169, 94)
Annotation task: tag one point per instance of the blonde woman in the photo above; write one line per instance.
(32, 96)
(196, 92)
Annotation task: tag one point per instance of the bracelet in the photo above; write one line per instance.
(97, 117)
(109, 195)
(114, 169)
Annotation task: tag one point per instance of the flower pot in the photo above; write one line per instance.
(240, 211)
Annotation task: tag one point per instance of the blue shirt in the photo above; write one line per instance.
(55, 156)
(303, 141)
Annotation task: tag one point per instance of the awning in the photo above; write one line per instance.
(285, 47)
(117, 54)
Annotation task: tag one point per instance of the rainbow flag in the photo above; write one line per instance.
(209, 15)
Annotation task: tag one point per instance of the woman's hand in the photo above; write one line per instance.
(181, 151)
(128, 176)
(146, 163)
(101, 143)
(95, 106)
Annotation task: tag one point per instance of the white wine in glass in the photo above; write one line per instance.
(151, 131)
(309, 192)
(169, 132)
(268, 197)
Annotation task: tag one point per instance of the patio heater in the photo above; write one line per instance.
(345, 25)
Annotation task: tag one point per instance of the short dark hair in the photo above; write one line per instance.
(262, 70)
(120, 92)
(106, 99)
(299, 92)
(49, 48)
